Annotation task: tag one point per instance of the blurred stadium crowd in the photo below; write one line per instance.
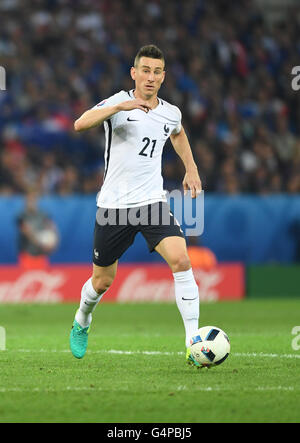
(228, 70)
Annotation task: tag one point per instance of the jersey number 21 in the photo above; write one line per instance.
(147, 142)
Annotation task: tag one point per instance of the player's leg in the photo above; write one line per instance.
(93, 290)
(173, 249)
(110, 242)
(91, 293)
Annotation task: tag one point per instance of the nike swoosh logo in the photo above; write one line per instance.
(131, 120)
(190, 299)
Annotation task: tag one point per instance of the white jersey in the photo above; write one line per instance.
(133, 153)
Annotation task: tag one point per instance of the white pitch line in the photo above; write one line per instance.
(228, 388)
(122, 352)
(262, 354)
(178, 388)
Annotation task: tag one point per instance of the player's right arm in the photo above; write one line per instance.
(96, 116)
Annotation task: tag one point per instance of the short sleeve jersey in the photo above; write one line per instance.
(133, 152)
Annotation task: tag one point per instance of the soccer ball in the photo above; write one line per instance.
(210, 346)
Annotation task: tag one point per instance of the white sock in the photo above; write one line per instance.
(187, 300)
(89, 300)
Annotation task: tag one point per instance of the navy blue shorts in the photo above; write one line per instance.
(115, 230)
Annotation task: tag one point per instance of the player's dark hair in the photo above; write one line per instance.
(150, 51)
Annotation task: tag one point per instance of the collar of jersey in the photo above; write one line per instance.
(131, 94)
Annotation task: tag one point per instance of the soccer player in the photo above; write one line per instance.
(137, 124)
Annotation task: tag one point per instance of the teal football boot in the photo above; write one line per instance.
(79, 340)
(190, 359)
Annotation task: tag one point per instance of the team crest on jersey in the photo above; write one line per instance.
(101, 103)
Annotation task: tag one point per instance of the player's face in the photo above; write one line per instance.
(148, 76)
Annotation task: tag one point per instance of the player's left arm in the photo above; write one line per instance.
(182, 147)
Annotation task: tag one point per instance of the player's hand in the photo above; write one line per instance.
(192, 182)
(137, 103)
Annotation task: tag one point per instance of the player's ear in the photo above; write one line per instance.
(132, 72)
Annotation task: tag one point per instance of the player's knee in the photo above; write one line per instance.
(101, 283)
(181, 263)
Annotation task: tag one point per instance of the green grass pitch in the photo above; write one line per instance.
(135, 370)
